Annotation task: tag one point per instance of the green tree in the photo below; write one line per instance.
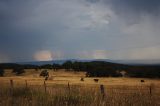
(47, 66)
(68, 65)
(44, 73)
(56, 66)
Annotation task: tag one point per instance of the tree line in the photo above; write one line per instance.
(93, 69)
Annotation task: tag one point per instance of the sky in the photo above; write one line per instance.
(42, 30)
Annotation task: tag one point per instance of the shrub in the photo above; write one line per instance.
(44, 73)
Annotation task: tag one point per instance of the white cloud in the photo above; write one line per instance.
(70, 13)
(144, 53)
(95, 54)
(91, 16)
(43, 56)
(57, 55)
(100, 54)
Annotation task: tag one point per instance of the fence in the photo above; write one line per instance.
(103, 89)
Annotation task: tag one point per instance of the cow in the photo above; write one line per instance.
(142, 81)
(96, 80)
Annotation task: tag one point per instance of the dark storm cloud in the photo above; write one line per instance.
(18, 41)
(93, 1)
(72, 28)
(135, 9)
(137, 6)
(12, 10)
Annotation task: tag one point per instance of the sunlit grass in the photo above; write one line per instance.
(118, 91)
(61, 95)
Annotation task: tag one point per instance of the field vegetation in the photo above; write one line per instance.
(79, 84)
(65, 88)
(94, 69)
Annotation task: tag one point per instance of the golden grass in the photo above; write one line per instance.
(63, 77)
(118, 91)
(76, 95)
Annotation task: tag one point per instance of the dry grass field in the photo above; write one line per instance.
(66, 89)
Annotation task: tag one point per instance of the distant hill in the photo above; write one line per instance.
(39, 63)
(127, 62)
(137, 62)
(94, 68)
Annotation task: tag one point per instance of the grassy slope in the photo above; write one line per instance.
(118, 91)
(63, 77)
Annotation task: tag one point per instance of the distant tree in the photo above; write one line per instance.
(93, 69)
(68, 65)
(47, 66)
(44, 73)
(56, 66)
(18, 70)
(29, 66)
(78, 66)
(1, 72)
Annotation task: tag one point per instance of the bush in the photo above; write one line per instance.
(44, 73)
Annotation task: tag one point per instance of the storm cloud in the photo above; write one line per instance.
(137, 6)
(66, 29)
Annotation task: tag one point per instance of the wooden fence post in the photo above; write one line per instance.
(150, 90)
(68, 87)
(45, 88)
(102, 91)
(26, 83)
(11, 88)
(11, 83)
